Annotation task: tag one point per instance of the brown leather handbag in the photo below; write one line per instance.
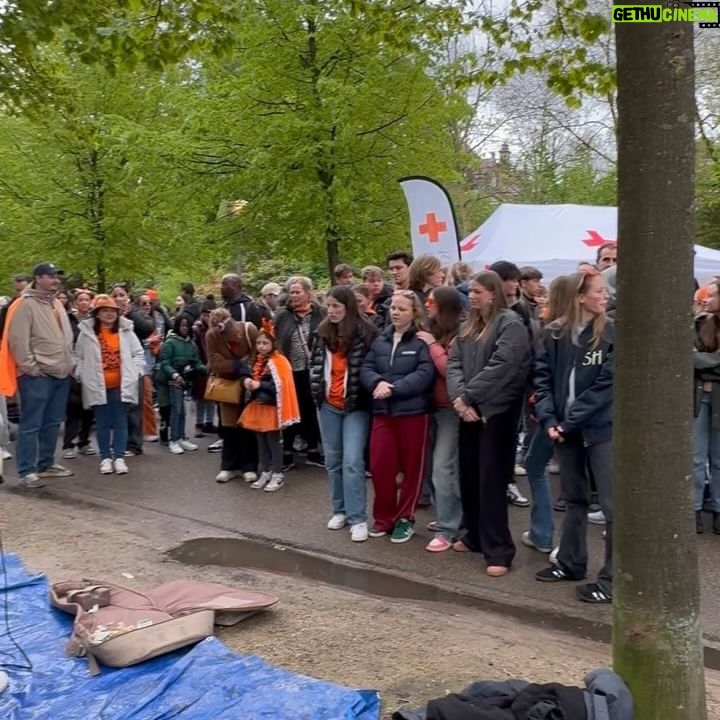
(222, 390)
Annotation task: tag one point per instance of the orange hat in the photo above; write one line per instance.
(152, 294)
(103, 301)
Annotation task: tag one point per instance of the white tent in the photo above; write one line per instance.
(555, 238)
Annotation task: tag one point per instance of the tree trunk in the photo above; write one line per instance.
(333, 251)
(101, 276)
(657, 642)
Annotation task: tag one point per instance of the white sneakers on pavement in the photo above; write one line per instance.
(55, 471)
(225, 476)
(249, 477)
(32, 480)
(262, 481)
(359, 532)
(187, 445)
(337, 522)
(277, 480)
(106, 467)
(70, 453)
(120, 466)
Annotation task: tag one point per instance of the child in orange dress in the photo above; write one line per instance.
(272, 407)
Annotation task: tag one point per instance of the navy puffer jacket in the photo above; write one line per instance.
(408, 368)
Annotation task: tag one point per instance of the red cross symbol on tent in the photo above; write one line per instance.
(432, 227)
(595, 239)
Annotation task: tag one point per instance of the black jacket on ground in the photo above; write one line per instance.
(244, 309)
(356, 397)
(286, 325)
(604, 697)
(409, 369)
(591, 412)
(490, 373)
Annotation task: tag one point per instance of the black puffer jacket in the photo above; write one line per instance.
(356, 397)
(591, 411)
(409, 369)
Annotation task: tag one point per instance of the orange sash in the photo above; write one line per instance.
(8, 366)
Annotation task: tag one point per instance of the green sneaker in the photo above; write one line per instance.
(402, 532)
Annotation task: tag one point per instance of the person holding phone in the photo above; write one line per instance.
(574, 381)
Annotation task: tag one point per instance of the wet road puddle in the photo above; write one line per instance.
(280, 559)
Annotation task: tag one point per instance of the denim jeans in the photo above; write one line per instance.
(111, 426)
(204, 412)
(538, 456)
(445, 473)
(177, 413)
(43, 401)
(343, 437)
(706, 451)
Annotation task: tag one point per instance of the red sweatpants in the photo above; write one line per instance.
(149, 424)
(397, 444)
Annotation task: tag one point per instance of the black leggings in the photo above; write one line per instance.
(308, 427)
(270, 451)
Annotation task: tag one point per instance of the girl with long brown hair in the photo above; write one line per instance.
(574, 379)
(486, 378)
(445, 310)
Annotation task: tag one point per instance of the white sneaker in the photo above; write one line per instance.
(6, 454)
(520, 471)
(250, 477)
(515, 497)
(175, 448)
(151, 438)
(277, 480)
(70, 453)
(359, 532)
(262, 481)
(31, 480)
(553, 556)
(596, 518)
(106, 467)
(337, 522)
(225, 476)
(121, 467)
(88, 450)
(187, 445)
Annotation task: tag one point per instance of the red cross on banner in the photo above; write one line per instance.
(432, 227)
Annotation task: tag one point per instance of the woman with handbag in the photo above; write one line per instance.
(295, 328)
(229, 348)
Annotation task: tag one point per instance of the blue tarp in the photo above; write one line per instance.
(206, 682)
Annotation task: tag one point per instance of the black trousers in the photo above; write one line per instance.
(485, 453)
(270, 451)
(135, 423)
(240, 451)
(308, 427)
(576, 461)
(78, 424)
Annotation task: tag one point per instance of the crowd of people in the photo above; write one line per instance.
(440, 387)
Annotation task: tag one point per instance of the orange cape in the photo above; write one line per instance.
(288, 409)
(8, 366)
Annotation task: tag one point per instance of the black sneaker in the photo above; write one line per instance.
(592, 593)
(315, 458)
(288, 462)
(209, 429)
(552, 574)
(216, 447)
(716, 523)
(560, 505)
(699, 522)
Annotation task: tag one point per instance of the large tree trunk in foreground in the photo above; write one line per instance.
(656, 634)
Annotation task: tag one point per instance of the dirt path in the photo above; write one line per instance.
(410, 652)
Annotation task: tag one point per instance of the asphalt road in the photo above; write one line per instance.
(183, 487)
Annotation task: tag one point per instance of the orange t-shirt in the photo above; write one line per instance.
(110, 356)
(338, 368)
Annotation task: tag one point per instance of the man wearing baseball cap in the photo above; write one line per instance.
(40, 340)
(270, 297)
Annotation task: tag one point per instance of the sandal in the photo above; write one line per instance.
(460, 546)
(497, 570)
